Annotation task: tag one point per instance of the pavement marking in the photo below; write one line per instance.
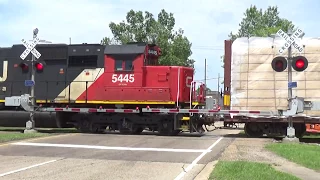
(112, 148)
(37, 138)
(194, 162)
(26, 168)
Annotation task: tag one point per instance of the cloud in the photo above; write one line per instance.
(206, 23)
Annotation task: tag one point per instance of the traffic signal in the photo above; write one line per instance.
(39, 67)
(299, 63)
(24, 67)
(279, 64)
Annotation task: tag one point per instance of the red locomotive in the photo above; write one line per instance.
(136, 78)
(117, 79)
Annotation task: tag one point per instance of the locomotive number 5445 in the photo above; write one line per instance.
(123, 78)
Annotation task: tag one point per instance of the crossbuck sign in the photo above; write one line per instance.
(30, 48)
(290, 40)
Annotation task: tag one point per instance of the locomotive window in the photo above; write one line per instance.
(128, 65)
(118, 65)
(123, 65)
(83, 61)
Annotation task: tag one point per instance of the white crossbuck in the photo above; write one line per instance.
(290, 40)
(30, 48)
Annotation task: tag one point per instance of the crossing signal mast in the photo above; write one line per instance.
(36, 66)
(298, 63)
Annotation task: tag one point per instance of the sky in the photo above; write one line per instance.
(206, 23)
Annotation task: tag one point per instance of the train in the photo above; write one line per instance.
(119, 78)
(124, 88)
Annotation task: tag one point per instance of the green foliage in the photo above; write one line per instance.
(143, 27)
(261, 24)
(304, 154)
(244, 170)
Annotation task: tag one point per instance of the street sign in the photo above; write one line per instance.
(290, 40)
(29, 83)
(30, 48)
(292, 84)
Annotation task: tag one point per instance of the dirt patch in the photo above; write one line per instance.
(252, 149)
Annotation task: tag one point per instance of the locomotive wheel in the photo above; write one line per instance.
(252, 130)
(166, 128)
(200, 129)
(96, 128)
(137, 129)
(84, 125)
(128, 127)
(62, 118)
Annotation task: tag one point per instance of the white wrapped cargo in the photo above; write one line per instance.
(254, 84)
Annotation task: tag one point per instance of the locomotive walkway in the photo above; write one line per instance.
(110, 156)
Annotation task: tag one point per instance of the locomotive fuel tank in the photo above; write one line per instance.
(19, 119)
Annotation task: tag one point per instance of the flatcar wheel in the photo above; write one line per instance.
(252, 130)
(300, 130)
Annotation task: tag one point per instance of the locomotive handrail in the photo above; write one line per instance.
(178, 93)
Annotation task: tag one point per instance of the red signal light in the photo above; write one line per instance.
(24, 67)
(279, 64)
(299, 63)
(39, 67)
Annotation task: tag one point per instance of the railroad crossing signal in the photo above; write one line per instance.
(299, 63)
(279, 63)
(24, 67)
(39, 67)
(30, 48)
(290, 40)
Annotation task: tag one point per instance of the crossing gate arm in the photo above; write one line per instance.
(89, 110)
(208, 111)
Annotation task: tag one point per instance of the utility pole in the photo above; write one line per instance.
(218, 99)
(205, 80)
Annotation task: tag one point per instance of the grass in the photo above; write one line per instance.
(6, 137)
(243, 170)
(16, 133)
(304, 154)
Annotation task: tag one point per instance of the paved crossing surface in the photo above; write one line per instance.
(111, 156)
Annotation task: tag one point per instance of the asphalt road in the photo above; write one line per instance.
(111, 156)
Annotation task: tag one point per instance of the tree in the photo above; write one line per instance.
(261, 24)
(139, 27)
(198, 89)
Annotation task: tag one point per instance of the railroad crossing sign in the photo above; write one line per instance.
(290, 40)
(30, 48)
